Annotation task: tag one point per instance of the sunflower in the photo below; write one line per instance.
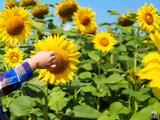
(127, 19)
(13, 57)
(15, 25)
(39, 11)
(155, 37)
(84, 18)
(148, 18)
(104, 41)
(66, 59)
(66, 9)
(26, 3)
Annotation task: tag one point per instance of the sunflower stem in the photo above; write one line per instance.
(46, 103)
(99, 73)
(135, 69)
(7, 68)
(75, 95)
(112, 57)
(135, 106)
(98, 103)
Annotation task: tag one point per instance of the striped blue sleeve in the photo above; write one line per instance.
(24, 72)
(15, 78)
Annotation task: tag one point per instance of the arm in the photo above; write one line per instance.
(15, 78)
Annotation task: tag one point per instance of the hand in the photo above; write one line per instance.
(42, 60)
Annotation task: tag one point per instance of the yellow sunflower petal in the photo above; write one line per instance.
(152, 57)
(155, 37)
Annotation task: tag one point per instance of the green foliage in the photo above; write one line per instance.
(86, 111)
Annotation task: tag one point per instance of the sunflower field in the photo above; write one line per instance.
(112, 74)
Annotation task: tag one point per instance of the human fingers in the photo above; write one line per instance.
(52, 60)
(52, 53)
(53, 66)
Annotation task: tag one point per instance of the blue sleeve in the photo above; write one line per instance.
(15, 78)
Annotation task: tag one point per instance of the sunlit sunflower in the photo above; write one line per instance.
(66, 54)
(155, 37)
(104, 41)
(84, 18)
(66, 9)
(15, 25)
(148, 18)
(13, 57)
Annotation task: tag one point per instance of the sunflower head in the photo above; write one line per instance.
(66, 54)
(83, 18)
(104, 41)
(13, 57)
(127, 19)
(66, 9)
(26, 3)
(148, 18)
(15, 25)
(10, 3)
(39, 11)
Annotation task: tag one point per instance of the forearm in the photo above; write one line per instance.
(32, 63)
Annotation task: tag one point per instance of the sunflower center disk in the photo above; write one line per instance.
(85, 20)
(14, 59)
(14, 25)
(148, 18)
(61, 62)
(104, 42)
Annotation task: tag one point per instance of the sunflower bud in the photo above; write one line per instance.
(39, 11)
(127, 19)
(10, 3)
(26, 3)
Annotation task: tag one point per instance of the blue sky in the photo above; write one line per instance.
(101, 7)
